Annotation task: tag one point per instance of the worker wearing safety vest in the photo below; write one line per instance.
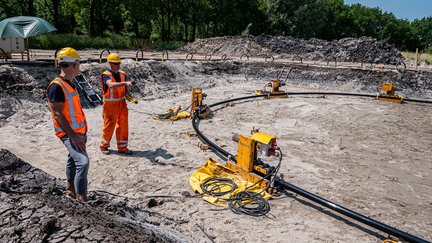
(115, 110)
(70, 122)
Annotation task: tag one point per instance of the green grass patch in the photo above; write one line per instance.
(426, 57)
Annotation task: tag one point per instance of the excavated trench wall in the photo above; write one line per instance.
(33, 209)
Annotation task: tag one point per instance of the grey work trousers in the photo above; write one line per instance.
(77, 165)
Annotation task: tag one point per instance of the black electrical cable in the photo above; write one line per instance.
(249, 203)
(214, 186)
(272, 173)
(244, 202)
(187, 108)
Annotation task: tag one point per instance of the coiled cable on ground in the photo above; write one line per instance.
(214, 186)
(244, 202)
(249, 203)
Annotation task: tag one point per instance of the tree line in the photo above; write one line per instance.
(187, 20)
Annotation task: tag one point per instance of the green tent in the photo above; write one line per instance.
(24, 26)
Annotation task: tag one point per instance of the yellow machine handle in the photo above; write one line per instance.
(389, 241)
(131, 99)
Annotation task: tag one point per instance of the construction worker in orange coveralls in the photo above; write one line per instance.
(115, 111)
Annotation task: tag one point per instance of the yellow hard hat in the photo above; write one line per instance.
(114, 57)
(67, 54)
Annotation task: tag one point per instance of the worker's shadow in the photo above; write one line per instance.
(330, 213)
(153, 155)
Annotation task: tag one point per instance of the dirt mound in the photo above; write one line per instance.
(33, 208)
(15, 81)
(27, 82)
(363, 50)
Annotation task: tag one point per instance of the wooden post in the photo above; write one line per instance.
(416, 59)
(27, 47)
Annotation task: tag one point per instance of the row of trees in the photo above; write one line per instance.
(187, 20)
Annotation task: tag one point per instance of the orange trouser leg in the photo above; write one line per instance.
(110, 116)
(122, 129)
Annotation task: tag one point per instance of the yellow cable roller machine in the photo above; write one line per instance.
(247, 163)
(197, 103)
(388, 93)
(275, 91)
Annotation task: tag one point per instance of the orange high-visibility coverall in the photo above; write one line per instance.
(115, 114)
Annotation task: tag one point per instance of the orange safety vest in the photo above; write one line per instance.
(114, 94)
(72, 109)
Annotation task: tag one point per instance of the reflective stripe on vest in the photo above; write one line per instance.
(122, 75)
(113, 99)
(69, 96)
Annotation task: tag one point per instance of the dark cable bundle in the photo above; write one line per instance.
(244, 202)
(249, 203)
(213, 186)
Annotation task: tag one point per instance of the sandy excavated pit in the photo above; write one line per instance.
(369, 156)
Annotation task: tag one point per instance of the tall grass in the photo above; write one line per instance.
(422, 57)
(55, 41)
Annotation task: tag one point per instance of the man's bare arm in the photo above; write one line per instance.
(112, 84)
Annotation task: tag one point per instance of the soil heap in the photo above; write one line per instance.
(361, 50)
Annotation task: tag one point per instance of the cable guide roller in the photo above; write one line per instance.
(197, 105)
(388, 93)
(275, 85)
(247, 163)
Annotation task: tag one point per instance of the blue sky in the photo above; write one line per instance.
(402, 9)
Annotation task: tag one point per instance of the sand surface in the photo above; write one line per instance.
(372, 157)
